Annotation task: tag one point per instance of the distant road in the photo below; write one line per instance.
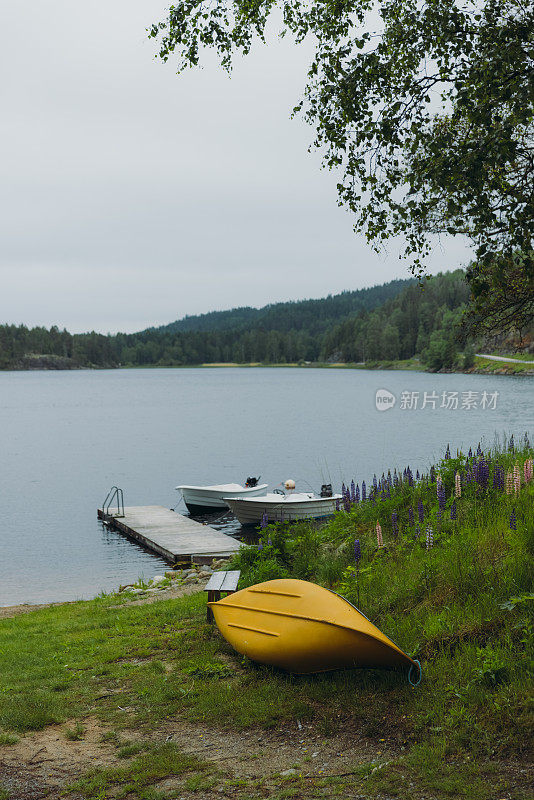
(502, 358)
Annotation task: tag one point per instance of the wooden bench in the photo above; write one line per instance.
(221, 583)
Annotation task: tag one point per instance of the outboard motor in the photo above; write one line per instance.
(251, 482)
(326, 490)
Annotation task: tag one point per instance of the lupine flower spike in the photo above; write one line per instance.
(457, 485)
(429, 537)
(264, 521)
(448, 452)
(509, 483)
(513, 520)
(357, 550)
(441, 493)
(364, 491)
(420, 511)
(379, 539)
(453, 510)
(517, 479)
(528, 469)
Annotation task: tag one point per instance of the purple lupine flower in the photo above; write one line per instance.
(417, 531)
(390, 482)
(264, 520)
(388, 493)
(337, 503)
(440, 488)
(511, 444)
(357, 494)
(417, 476)
(375, 483)
(420, 511)
(432, 474)
(343, 490)
(364, 491)
(470, 453)
(357, 551)
(481, 472)
(448, 452)
(453, 510)
(409, 476)
(479, 450)
(395, 523)
(513, 520)
(352, 492)
(526, 442)
(410, 516)
(346, 501)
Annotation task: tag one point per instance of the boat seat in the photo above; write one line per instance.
(223, 582)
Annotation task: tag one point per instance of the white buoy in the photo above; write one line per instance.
(289, 484)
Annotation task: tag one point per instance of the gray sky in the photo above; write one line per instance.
(130, 196)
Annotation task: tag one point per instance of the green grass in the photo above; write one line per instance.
(463, 607)
(136, 778)
(8, 738)
(490, 366)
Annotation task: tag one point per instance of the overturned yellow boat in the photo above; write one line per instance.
(302, 628)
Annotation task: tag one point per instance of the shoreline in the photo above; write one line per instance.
(483, 366)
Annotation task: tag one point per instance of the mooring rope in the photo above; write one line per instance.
(418, 681)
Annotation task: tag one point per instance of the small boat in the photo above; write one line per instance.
(303, 628)
(280, 507)
(207, 499)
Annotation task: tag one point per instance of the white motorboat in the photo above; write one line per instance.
(206, 499)
(281, 507)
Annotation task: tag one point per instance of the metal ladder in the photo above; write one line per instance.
(114, 494)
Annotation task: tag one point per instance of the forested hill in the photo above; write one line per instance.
(395, 321)
(313, 316)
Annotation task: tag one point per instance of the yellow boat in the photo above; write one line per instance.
(302, 628)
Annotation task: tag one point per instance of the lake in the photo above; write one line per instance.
(67, 437)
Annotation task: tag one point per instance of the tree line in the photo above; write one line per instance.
(411, 320)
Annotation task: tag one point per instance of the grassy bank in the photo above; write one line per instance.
(462, 606)
(482, 366)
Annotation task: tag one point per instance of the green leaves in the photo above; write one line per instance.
(433, 112)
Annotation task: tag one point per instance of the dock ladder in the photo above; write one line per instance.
(114, 494)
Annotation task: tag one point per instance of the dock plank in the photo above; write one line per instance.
(171, 535)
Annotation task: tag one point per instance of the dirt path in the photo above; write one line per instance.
(41, 764)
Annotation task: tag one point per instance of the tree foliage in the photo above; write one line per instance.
(426, 108)
(389, 322)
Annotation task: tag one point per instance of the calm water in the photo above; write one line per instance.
(68, 436)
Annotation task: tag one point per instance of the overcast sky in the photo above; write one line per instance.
(130, 196)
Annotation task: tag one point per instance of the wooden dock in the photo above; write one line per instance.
(174, 537)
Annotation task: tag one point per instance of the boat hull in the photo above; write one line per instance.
(251, 512)
(205, 499)
(303, 628)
